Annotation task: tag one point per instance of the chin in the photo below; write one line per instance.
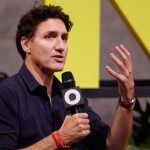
(57, 69)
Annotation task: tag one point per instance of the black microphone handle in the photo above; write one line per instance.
(75, 110)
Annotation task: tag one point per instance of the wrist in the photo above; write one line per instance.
(127, 104)
(59, 140)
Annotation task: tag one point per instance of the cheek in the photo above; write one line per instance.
(41, 55)
(66, 52)
(45, 50)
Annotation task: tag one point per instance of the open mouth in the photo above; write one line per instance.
(58, 58)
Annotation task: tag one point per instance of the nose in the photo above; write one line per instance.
(59, 45)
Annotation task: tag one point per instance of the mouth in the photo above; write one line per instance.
(59, 58)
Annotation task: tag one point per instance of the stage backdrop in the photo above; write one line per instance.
(136, 14)
(84, 40)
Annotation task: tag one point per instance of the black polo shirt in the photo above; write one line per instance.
(26, 115)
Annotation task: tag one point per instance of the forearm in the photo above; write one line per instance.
(45, 144)
(73, 129)
(121, 129)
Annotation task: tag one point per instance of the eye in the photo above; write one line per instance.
(50, 35)
(65, 37)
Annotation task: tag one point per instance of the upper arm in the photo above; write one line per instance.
(9, 126)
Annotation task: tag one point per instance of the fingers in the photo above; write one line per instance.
(81, 115)
(119, 63)
(82, 121)
(123, 62)
(119, 77)
(126, 52)
(112, 72)
(125, 59)
(125, 55)
(123, 52)
(125, 76)
(75, 127)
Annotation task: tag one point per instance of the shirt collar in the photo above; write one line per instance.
(33, 84)
(29, 79)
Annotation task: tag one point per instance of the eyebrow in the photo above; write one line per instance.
(55, 31)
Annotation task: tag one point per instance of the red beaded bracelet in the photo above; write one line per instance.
(59, 140)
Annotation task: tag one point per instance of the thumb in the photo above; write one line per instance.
(67, 118)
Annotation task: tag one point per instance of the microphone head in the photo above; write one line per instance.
(68, 80)
(73, 99)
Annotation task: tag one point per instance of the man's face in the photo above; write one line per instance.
(48, 47)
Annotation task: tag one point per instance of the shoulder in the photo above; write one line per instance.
(8, 90)
(8, 94)
(9, 83)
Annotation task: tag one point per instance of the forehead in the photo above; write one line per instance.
(52, 24)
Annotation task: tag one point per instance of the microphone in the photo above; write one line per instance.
(72, 94)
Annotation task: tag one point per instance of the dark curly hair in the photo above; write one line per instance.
(28, 23)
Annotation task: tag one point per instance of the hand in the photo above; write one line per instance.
(125, 76)
(75, 128)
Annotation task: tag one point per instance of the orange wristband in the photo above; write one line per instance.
(59, 140)
(56, 139)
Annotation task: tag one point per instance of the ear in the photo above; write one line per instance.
(25, 44)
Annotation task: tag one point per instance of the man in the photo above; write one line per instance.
(32, 112)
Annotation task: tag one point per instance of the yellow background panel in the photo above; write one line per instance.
(84, 39)
(136, 13)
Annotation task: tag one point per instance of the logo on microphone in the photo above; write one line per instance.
(72, 97)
